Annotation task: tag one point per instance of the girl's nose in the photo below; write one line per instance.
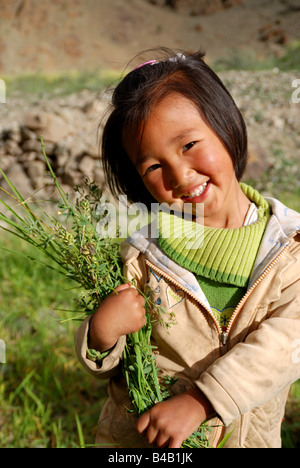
(179, 176)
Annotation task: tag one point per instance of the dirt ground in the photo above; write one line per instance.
(59, 35)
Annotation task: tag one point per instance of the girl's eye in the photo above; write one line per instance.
(152, 168)
(188, 146)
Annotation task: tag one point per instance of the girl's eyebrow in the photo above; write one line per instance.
(140, 160)
(183, 135)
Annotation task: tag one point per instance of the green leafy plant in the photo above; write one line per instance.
(94, 263)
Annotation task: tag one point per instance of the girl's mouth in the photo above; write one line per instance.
(198, 194)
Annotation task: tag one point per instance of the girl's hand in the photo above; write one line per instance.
(122, 312)
(172, 421)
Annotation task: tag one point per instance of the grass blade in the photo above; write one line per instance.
(80, 432)
(53, 175)
(224, 440)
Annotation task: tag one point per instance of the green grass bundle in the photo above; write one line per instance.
(94, 263)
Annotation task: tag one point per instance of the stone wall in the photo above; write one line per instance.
(69, 127)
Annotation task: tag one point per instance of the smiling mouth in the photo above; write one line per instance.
(196, 192)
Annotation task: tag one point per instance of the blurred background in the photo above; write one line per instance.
(58, 60)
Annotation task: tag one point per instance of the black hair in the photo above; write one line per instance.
(137, 94)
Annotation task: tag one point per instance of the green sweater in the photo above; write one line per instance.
(221, 259)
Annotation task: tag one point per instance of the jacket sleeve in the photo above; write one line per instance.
(256, 370)
(133, 268)
(109, 365)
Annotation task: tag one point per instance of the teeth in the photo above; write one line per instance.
(197, 192)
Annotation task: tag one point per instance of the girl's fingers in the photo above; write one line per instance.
(143, 423)
(151, 435)
(121, 287)
(175, 443)
(162, 441)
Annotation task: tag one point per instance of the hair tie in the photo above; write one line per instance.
(178, 56)
(150, 62)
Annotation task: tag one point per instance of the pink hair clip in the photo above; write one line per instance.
(150, 62)
(171, 59)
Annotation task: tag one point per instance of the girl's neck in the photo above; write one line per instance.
(234, 217)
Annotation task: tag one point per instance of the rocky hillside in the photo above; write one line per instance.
(57, 35)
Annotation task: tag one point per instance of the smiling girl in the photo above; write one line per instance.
(175, 135)
(181, 160)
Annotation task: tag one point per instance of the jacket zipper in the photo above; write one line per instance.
(218, 433)
(223, 334)
(176, 283)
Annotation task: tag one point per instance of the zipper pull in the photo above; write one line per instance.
(223, 338)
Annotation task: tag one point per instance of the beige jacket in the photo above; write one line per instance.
(245, 373)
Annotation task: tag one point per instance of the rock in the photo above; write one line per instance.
(35, 120)
(197, 7)
(273, 32)
(99, 177)
(35, 170)
(72, 178)
(27, 134)
(232, 3)
(27, 157)
(12, 147)
(19, 178)
(198, 27)
(87, 166)
(211, 7)
(14, 132)
(31, 145)
(93, 151)
(51, 127)
(6, 162)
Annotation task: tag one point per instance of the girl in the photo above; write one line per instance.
(176, 136)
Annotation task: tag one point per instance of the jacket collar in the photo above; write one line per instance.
(282, 226)
(288, 219)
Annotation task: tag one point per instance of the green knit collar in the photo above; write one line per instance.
(223, 255)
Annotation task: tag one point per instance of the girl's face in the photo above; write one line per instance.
(181, 160)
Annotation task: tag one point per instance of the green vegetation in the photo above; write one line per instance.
(291, 423)
(59, 84)
(43, 388)
(246, 60)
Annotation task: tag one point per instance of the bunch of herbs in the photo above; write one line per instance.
(94, 263)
